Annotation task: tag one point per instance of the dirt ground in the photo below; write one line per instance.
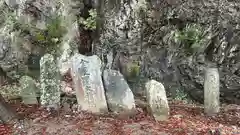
(184, 120)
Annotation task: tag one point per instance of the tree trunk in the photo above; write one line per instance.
(6, 113)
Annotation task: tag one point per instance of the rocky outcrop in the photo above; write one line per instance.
(182, 38)
(38, 27)
(172, 41)
(218, 45)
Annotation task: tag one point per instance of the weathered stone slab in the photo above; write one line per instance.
(211, 91)
(119, 96)
(28, 90)
(157, 100)
(49, 81)
(87, 82)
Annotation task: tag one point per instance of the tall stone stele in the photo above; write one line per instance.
(211, 91)
(87, 82)
(49, 81)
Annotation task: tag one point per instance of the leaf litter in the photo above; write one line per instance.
(184, 120)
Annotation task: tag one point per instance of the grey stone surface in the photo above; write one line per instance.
(211, 91)
(87, 82)
(49, 81)
(154, 46)
(28, 90)
(119, 95)
(165, 60)
(157, 100)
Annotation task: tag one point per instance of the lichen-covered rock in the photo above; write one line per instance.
(13, 3)
(147, 30)
(87, 81)
(11, 58)
(49, 81)
(215, 39)
(157, 100)
(119, 96)
(28, 90)
(69, 43)
(30, 19)
(68, 47)
(211, 91)
(122, 25)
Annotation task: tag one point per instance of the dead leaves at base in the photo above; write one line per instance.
(183, 121)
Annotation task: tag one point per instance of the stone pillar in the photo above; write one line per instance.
(211, 91)
(49, 81)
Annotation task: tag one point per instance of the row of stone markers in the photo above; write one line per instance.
(49, 92)
(97, 92)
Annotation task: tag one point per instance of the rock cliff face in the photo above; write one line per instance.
(207, 35)
(173, 41)
(31, 28)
